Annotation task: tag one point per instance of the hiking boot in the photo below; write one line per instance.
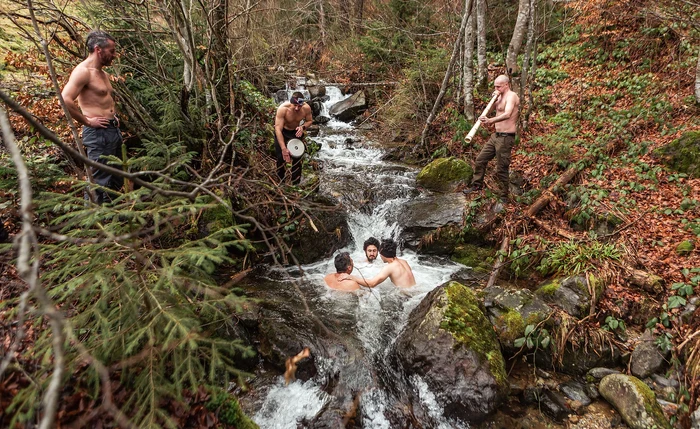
(472, 189)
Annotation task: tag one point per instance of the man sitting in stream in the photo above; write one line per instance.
(343, 266)
(397, 270)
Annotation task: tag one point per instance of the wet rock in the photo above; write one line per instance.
(511, 310)
(315, 88)
(331, 233)
(662, 381)
(570, 294)
(428, 230)
(647, 358)
(575, 391)
(450, 344)
(445, 175)
(695, 419)
(635, 402)
(592, 391)
(550, 402)
(348, 109)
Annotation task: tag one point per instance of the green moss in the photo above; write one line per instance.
(228, 410)
(683, 154)
(479, 258)
(441, 173)
(685, 248)
(549, 289)
(652, 407)
(217, 218)
(466, 322)
(511, 325)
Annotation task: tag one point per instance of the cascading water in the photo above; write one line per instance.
(368, 321)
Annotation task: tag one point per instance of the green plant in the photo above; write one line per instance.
(572, 258)
(535, 338)
(612, 324)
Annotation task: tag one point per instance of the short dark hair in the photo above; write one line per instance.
(371, 242)
(297, 98)
(388, 248)
(98, 38)
(342, 262)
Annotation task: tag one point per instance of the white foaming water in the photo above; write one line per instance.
(285, 405)
(373, 191)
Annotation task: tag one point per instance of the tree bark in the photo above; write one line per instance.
(697, 80)
(527, 76)
(468, 68)
(450, 66)
(516, 42)
(359, 13)
(482, 67)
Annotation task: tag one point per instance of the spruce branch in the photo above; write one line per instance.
(28, 270)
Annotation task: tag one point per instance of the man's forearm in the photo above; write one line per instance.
(75, 113)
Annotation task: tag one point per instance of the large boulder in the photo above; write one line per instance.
(683, 154)
(432, 231)
(348, 109)
(445, 175)
(634, 400)
(450, 344)
(511, 310)
(319, 237)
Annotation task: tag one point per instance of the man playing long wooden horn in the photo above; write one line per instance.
(501, 142)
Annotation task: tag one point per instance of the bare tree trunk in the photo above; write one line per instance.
(697, 81)
(321, 21)
(483, 73)
(516, 42)
(528, 73)
(359, 13)
(468, 68)
(446, 79)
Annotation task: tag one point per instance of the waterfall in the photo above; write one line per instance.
(373, 191)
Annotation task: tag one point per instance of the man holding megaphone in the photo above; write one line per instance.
(287, 128)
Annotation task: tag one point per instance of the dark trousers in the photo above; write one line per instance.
(101, 142)
(500, 148)
(281, 165)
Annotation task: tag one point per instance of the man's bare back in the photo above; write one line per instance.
(400, 273)
(345, 285)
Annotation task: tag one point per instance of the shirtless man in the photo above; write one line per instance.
(287, 127)
(501, 142)
(397, 270)
(343, 266)
(90, 85)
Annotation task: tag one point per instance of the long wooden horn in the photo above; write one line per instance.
(475, 128)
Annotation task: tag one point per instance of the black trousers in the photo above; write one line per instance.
(101, 142)
(281, 165)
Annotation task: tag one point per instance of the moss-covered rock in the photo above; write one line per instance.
(571, 294)
(450, 344)
(228, 410)
(683, 154)
(480, 259)
(511, 310)
(634, 400)
(445, 174)
(685, 248)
